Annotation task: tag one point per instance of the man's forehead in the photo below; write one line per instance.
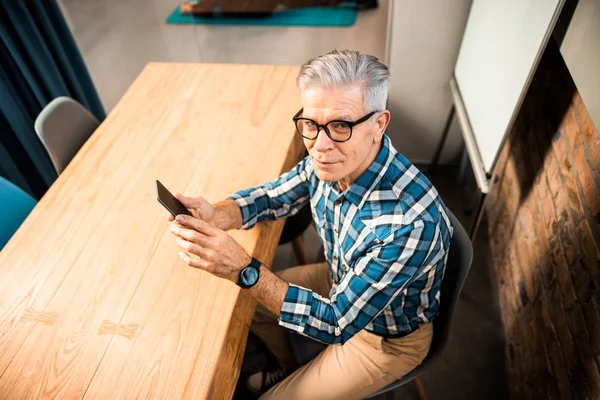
(332, 102)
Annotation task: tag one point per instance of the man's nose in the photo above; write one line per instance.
(323, 142)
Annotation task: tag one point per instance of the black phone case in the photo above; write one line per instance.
(169, 201)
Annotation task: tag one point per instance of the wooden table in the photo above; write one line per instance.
(94, 301)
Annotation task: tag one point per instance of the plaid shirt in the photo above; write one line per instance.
(386, 240)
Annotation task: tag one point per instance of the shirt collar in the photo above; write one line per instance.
(357, 193)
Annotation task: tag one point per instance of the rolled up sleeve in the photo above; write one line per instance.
(283, 197)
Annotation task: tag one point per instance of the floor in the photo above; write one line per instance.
(118, 37)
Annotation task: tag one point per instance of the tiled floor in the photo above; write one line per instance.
(118, 37)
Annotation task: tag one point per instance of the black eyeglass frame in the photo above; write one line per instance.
(351, 124)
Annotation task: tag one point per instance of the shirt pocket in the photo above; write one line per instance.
(353, 253)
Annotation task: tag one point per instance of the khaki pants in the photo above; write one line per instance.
(362, 366)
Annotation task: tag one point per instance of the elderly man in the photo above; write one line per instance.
(385, 231)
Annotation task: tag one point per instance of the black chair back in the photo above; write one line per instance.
(459, 263)
(460, 257)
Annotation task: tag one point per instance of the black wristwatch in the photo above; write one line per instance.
(249, 275)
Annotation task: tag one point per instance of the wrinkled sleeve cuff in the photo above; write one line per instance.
(295, 309)
(247, 206)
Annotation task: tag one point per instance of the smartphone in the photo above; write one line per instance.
(169, 201)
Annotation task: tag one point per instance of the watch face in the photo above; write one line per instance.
(249, 276)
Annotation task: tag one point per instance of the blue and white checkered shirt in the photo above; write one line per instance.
(386, 240)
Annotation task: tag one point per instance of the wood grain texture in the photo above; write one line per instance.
(94, 301)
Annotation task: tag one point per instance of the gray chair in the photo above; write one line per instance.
(459, 262)
(63, 126)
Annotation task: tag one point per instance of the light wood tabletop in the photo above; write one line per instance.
(94, 301)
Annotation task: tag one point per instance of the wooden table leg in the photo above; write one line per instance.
(420, 389)
(299, 250)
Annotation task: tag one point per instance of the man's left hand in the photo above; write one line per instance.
(209, 248)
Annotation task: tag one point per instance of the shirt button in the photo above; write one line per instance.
(335, 230)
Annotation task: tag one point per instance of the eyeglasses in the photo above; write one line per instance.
(337, 130)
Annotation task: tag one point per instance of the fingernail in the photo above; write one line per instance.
(179, 218)
(173, 229)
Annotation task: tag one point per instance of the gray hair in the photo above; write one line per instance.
(348, 68)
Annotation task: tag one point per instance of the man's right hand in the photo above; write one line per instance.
(199, 208)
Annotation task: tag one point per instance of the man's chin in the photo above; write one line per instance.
(326, 176)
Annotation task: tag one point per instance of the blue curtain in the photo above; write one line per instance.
(39, 61)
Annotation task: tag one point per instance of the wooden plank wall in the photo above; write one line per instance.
(544, 223)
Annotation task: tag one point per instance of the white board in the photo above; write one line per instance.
(500, 50)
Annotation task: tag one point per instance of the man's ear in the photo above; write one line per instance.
(383, 119)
